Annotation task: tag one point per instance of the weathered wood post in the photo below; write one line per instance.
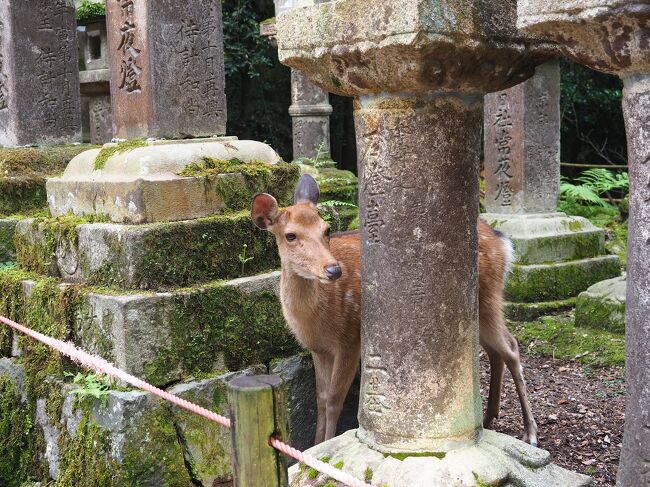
(257, 410)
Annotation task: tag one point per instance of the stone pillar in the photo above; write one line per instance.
(39, 73)
(612, 37)
(558, 256)
(310, 111)
(101, 120)
(419, 206)
(167, 68)
(522, 145)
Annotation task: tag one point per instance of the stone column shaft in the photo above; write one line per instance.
(310, 111)
(635, 456)
(522, 145)
(39, 73)
(419, 207)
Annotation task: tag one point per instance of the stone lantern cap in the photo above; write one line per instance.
(607, 35)
(356, 47)
(143, 184)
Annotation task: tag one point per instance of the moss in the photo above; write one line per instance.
(245, 329)
(339, 464)
(403, 456)
(557, 281)
(598, 312)
(38, 161)
(532, 311)
(90, 10)
(575, 226)
(337, 184)
(236, 181)
(569, 247)
(340, 219)
(268, 21)
(558, 337)
(367, 475)
(7, 245)
(110, 150)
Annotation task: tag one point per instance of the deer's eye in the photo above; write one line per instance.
(290, 237)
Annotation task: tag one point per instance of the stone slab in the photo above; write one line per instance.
(553, 237)
(560, 280)
(603, 305)
(39, 73)
(167, 68)
(142, 184)
(207, 446)
(147, 256)
(495, 459)
(297, 372)
(522, 145)
(101, 120)
(532, 311)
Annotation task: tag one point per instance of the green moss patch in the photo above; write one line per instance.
(90, 11)
(236, 181)
(111, 149)
(38, 161)
(599, 312)
(7, 245)
(532, 311)
(222, 321)
(558, 337)
(403, 456)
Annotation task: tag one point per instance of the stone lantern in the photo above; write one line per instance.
(418, 71)
(613, 36)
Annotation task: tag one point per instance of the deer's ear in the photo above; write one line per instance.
(306, 191)
(264, 210)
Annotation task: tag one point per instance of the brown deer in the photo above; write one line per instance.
(320, 291)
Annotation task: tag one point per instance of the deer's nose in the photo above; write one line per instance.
(333, 272)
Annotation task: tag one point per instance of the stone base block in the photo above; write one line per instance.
(7, 246)
(532, 311)
(496, 459)
(154, 256)
(143, 182)
(161, 337)
(553, 237)
(561, 280)
(603, 305)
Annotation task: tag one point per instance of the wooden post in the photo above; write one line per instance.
(257, 410)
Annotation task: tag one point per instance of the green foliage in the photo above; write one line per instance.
(592, 118)
(111, 150)
(592, 185)
(90, 10)
(91, 385)
(243, 259)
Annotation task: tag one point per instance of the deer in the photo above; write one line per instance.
(320, 295)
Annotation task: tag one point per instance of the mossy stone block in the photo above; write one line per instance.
(152, 256)
(555, 281)
(7, 245)
(532, 311)
(24, 173)
(603, 306)
(558, 248)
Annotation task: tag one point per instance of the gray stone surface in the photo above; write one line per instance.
(39, 74)
(496, 459)
(603, 305)
(355, 47)
(522, 145)
(310, 111)
(51, 436)
(142, 185)
(15, 371)
(101, 120)
(635, 459)
(167, 68)
(95, 46)
(419, 393)
(298, 375)
(207, 446)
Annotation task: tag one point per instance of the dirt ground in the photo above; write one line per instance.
(579, 413)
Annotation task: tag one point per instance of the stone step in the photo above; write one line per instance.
(24, 173)
(161, 337)
(559, 280)
(7, 246)
(603, 305)
(153, 256)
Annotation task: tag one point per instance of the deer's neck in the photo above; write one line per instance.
(300, 300)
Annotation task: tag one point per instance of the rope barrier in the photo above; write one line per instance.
(104, 367)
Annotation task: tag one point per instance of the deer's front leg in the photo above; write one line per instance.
(323, 369)
(343, 372)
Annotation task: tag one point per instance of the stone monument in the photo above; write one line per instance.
(167, 75)
(418, 75)
(557, 256)
(39, 76)
(612, 36)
